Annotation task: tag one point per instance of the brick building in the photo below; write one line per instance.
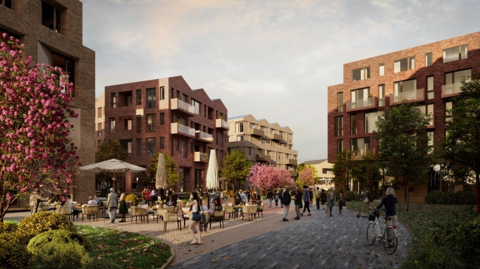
(164, 115)
(428, 75)
(263, 142)
(52, 33)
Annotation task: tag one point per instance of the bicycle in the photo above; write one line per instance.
(388, 237)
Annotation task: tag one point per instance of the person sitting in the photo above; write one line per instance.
(99, 202)
(217, 205)
(91, 201)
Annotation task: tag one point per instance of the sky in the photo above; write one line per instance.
(273, 59)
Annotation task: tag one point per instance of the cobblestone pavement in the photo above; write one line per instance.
(319, 241)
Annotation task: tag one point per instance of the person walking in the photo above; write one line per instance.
(311, 196)
(153, 197)
(331, 200)
(270, 197)
(103, 188)
(277, 197)
(341, 199)
(123, 207)
(323, 198)
(298, 203)
(286, 200)
(195, 206)
(112, 204)
(317, 198)
(306, 200)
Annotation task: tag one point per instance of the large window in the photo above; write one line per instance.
(406, 90)
(381, 95)
(139, 147)
(455, 53)
(151, 146)
(67, 65)
(139, 123)
(371, 121)
(453, 81)
(139, 97)
(340, 102)
(197, 105)
(428, 59)
(150, 123)
(361, 73)
(448, 111)
(51, 17)
(128, 124)
(338, 126)
(339, 146)
(151, 98)
(239, 127)
(353, 124)
(360, 146)
(404, 64)
(430, 88)
(162, 93)
(162, 118)
(162, 142)
(184, 149)
(99, 112)
(381, 69)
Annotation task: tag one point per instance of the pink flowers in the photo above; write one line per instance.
(268, 177)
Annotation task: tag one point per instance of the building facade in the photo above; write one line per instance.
(53, 34)
(428, 75)
(164, 115)
(324, 173)
(263, 142)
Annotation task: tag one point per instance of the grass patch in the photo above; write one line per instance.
(127, 249)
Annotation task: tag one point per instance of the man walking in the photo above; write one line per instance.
(306, 200)
(323, 198)
(112, 204)
(270, 197)
(103, 188)
(317, 198)
(286, 200)
(298, 203)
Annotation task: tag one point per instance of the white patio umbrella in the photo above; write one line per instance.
(161, 175)
(212, 172)
(113, 167)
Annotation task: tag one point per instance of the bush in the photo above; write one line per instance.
(8, 227)
(433, 197)
(59, 236)
(351, 196)
(102, 264)
(465, 198)
(432, 258)
(45, 221)
(13, 251)
(447, 198)
(60, 255)
(133, 198)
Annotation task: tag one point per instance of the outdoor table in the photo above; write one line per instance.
(238, 210)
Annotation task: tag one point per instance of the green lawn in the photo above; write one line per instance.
(127, 249)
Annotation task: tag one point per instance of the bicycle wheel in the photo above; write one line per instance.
(371, 234)
(390, 244)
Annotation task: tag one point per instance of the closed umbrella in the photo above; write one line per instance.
(212, 172)
(161, 175)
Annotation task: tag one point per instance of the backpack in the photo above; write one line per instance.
(317, 195)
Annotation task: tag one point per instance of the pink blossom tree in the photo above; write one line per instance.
(268, 177)
(35, 151)
(306, 176)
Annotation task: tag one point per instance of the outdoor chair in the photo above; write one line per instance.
(228, 209)
(251, 210)
(171, 215)
(138, 211)
(160, 210)
(90, 211)
(62, 209)
(260, 210)
(218, 216)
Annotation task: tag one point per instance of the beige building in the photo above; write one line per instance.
(324, 173)
(263, 142)
(53, 34)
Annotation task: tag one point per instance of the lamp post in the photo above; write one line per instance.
(437, 168)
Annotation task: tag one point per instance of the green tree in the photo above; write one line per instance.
(404, 145)
(170, 167)
(110, 150)
(462, 143)
(235, 167)
(342, 168)
(367, 171)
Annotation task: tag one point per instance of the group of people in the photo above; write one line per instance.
(247, 196)
(151, 195)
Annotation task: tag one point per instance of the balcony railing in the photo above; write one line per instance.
(177, 128)
(204, 136)
(182, 106)
(414, 95)
(292, 162)
(219, 123)
(200, 157)
(381, 102)
(361, 104)
(275, 137)
(256, 132)
(450, 89)
(263, 158)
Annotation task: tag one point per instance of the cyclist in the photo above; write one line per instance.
(389, 202)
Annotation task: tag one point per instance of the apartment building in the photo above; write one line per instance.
(263, 142)
(428, 75)
(324, 173)
(52, 33)
(164, 115)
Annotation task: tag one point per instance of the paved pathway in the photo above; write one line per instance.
(319, 241)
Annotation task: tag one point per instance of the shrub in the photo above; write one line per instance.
(13, 251)
(432, 258)
(45, 221)
(8, 227)
(60, 255)
(465, 198)
(102, 264)
(133, 198)
(59, 236)
(447, 198)
(433, 197)
(351, 196)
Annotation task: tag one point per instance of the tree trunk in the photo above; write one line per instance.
(4, 208)
(406, 195)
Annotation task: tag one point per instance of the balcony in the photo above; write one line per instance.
(409, 96)
(275, 137)
(179, 129)
(256, 132)
(293, 173)
(359, 153)
(381, 102)
(182, 107)
(451, 89)
(221, 124)
(205, 137)
(362, 104)
(200, 157)
(292, 162)
(263, 158)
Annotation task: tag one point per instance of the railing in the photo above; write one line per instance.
(451, 88)
(361, 103)
(179, 104)
(219, 123)
(408, 96)
(204, 136)
(274, 136)
(381, 102)
(292, 162)
(255, 131)
(200, 157)
(178, 128)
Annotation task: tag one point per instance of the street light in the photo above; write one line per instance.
(437, 168)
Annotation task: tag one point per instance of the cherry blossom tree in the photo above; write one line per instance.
(35, 151)
(306, 176)
(269, 177)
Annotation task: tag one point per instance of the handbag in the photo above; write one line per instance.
(196, 216)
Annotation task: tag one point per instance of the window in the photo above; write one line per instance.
(381, 95)
(353, 124)
(428, 59)
(338, 126)
(404, 64)
(184, 98)
(360, 146)
(172, 93)
(99, 112)
(359, 97)
(327, 171)
(197, 105)
(113, 99)
(51, 17)
(381, 69)
(240, 138)
(264, 141)
(339, 146)
(448, 111)
(184, 149)
(151, 98)
(340, 102)
(162, 93)
(453, 81)
(239, 127)
(67, 65)
(99, 129)
(139, 123)
(7, 3)
(139, 97)
(150, 123)
(361, 73)
(162, 118)
(406, 90)
(162, 142)
(150, 146)
(129, 146)
(139, 147)
(430, 88)
(371, 121)
(112, 125)
(128, 124)
(455, 53)
(430, 136)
